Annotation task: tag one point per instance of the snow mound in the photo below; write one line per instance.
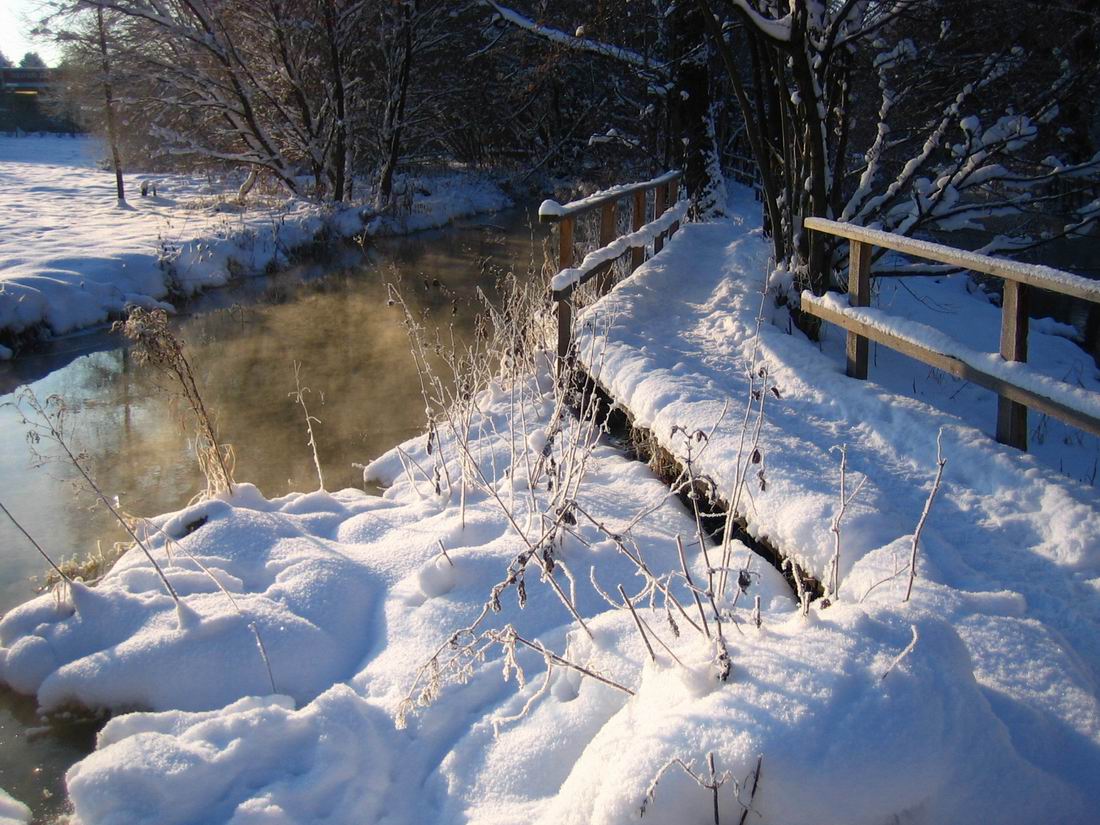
(255, 761)
(833, 735)
(12, 811)
(121, 644)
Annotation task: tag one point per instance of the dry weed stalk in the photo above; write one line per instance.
(156, 345)
(299, 396)
(911, 566)
(833, 575)
(940, 464)
(62, 575)
(713, 782)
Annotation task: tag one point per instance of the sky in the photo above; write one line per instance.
(14, 26)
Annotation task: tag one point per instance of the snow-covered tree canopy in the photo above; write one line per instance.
(910, 115)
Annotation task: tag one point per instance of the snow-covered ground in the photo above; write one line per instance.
(70, 257)
(977, 700)
(12, 811)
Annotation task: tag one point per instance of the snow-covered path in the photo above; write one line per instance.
(1011, 553)
(71, 258)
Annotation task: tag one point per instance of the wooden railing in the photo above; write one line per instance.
(1014, 398)
(667, 213)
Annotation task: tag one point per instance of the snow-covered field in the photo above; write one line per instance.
(71, 258)
(975, 701)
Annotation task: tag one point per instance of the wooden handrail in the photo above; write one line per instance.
(598, 264)
(953, 365)
(1043, 277)
(554, 212)
(1013, 400)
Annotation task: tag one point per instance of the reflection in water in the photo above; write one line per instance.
(242, 342)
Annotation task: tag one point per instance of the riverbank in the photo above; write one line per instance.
(73, 258)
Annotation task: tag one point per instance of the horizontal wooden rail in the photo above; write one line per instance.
(1019, 279)
(1043, 277)
(952, 364)
(599, 264)
(554, 212)
(595, 263)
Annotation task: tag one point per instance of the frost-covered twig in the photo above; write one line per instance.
(36, 545)
(637, 623)
(908, 649)
(49, 426)
(691, 585)
(713, 782)
(845, 500)
(299, 398)
(940, 462)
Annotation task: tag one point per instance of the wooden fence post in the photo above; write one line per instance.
(673, 196)
(859, 295)
(607, 235)
(565, 307)
(637, 255)
(660, 196)
(1012, 416)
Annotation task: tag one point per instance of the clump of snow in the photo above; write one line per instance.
(642, 237)
(256, 761)
(553, 209)
(122, 644)
(12, 811)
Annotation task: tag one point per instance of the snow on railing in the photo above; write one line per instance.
(552, 211)
(1017, 386)
(569, 279)
(1037, 275)
(598, 264)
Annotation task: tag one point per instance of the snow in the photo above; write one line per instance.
(12, 811)
(779, 30)
(579, 41)
(307, 762)
(974, 701)
(553, 209)
(1080, 400)
(620, 246)
(72, 258)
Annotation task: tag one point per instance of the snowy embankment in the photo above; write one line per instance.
(72, 258)
(974, 701)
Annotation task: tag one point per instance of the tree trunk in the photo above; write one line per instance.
(108, 101)
(396, 114)
(692, 112)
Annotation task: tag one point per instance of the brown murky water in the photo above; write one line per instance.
(243, 340)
